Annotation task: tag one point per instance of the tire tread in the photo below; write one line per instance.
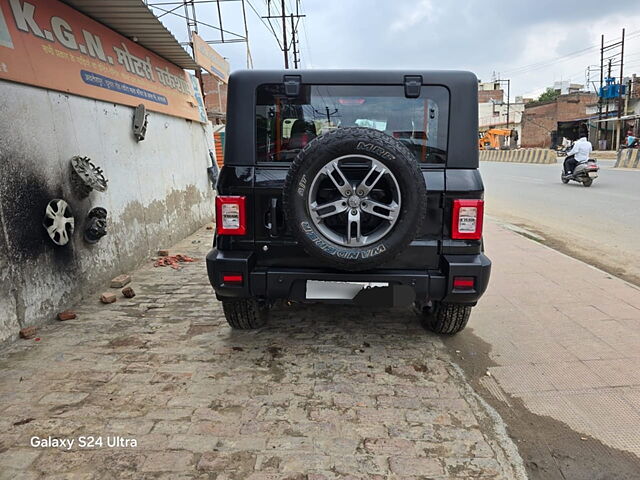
(244, 313)
(447, 318)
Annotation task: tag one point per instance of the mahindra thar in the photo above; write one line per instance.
(356, 187)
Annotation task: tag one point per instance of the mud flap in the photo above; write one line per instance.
(392, 296)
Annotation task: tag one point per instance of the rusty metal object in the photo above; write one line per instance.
(58, 221)
(86, 176)
(140, 120)
(96, 225)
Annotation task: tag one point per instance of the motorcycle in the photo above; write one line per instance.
(584, 172)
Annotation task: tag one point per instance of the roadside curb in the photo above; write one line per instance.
(506, 450)
(524, 155)
(628, 158)
(533, 237)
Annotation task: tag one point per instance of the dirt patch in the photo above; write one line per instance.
(550, 449)
(275, 352)
(200, 329)
(131, 341)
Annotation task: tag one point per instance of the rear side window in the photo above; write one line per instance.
(284, 125)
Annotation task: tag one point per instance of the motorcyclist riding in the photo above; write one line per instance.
(579, 153)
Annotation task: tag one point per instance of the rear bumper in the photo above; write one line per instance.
(290, 284)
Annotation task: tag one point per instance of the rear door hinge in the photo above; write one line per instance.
(412, 86)
(292, 85)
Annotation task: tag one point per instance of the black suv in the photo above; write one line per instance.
(357, 187)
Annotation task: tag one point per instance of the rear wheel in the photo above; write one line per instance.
(588, 182)
(245, 313)
(446, 318)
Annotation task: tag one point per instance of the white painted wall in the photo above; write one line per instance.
(487, 119)
(158, 193)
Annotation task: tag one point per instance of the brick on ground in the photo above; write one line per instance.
(67, 315)
(108, 297)
(120, 281)
(28, 332)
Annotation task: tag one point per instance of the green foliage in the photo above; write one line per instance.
(548, 95)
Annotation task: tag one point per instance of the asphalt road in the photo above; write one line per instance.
(599, 224)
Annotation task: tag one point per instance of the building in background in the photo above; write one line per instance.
(215, 98)
(495, 112)
(566, 87)
(544, 124)
(609, 129)
(214, 82)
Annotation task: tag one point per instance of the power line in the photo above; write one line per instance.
(284, 18)
(295, 39)
(269, 7)
(192, 24)
(546, 63)
(306, 38)
(246, 34)
(536, 65)
(269, 27)
(199, 22)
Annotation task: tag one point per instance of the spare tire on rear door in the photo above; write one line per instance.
(355, 198)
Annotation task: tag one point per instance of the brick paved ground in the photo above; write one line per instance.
(322, 392)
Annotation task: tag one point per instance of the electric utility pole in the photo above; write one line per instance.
(621, 112)
(285, 48)
(285, 45)
(294, 45)
(508, 81)
(614, 58)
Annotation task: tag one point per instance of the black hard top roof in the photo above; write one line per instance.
(463, 108)
(443, 77)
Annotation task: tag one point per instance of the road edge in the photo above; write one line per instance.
(557, 246)
(507, 453)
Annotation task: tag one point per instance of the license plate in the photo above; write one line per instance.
(593, 174)
(320, 290)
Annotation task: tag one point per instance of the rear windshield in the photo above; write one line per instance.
(285, 125)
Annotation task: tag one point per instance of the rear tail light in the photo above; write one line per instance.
(231, 278)
(467, 219)
(231, 215)
(463, 283)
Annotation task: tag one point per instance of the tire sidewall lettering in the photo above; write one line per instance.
(302, 185)
(375, 149)
(329, 249)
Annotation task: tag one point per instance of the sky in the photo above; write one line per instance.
(532, 43)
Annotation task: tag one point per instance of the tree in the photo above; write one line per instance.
(548, 95)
